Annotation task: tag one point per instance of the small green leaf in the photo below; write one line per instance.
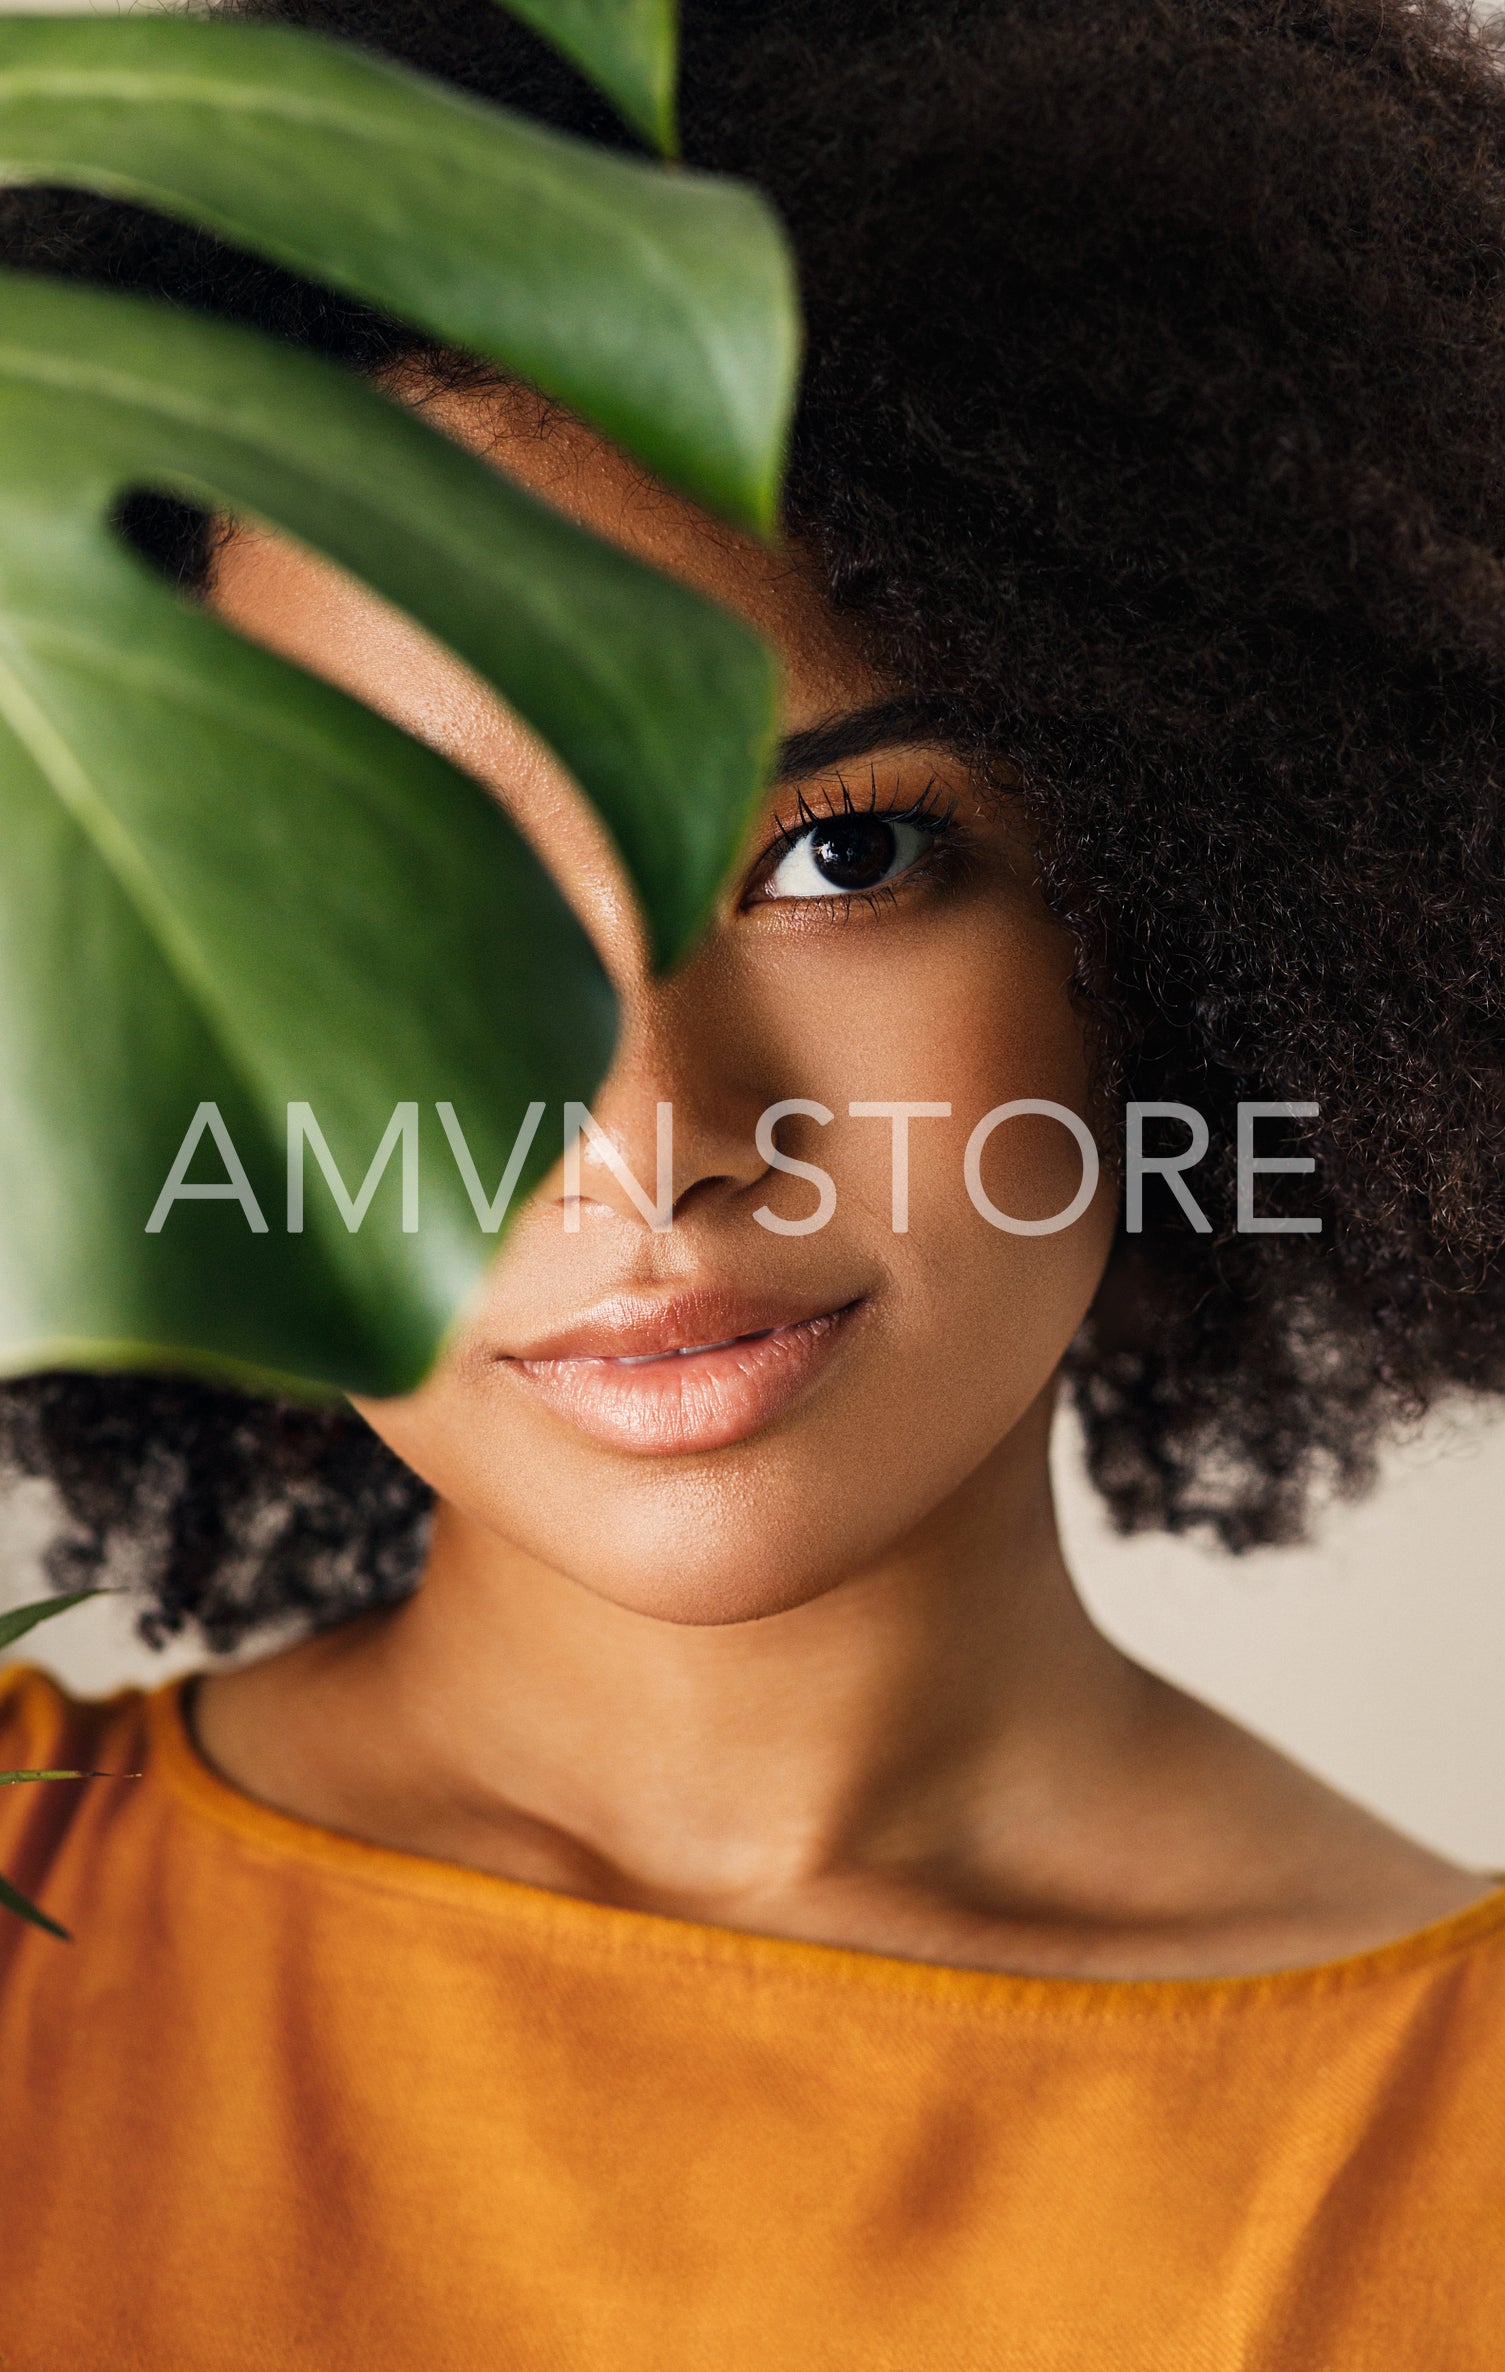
(17, 1778)
(11, 1900)
(21, 1619)
(626, 47)
(660, 306)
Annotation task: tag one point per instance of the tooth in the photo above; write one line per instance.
(690, 1350)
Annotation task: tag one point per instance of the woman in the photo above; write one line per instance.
(737, 1911)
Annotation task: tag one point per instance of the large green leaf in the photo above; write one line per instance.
(225, 882)
(661, 704)
(659, 305)
(628, 49)
(229, 890)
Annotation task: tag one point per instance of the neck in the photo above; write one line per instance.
(707, 1765)
(937, 1757)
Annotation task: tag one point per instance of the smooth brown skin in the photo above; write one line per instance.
(832, 1681)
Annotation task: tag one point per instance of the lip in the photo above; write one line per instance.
(672, 1378)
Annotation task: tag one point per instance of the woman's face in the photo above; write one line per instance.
(882, 942)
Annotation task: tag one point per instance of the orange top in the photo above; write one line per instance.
(294, 2101)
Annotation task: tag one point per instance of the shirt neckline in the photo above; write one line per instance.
(573, 1925)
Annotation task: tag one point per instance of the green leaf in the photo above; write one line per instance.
(16, 1778)
(626, 47)
(266, 893)
(662, 705)
(225, 882)
(11, 1900)
(657, 305)
(19, 1621)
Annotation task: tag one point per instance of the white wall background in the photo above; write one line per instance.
(1376, 1655)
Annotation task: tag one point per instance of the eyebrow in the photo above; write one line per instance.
(886, 724)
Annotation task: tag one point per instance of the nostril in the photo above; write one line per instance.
(707, 1189)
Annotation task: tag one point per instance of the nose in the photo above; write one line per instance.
(673, 1126)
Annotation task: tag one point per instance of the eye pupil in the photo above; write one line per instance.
(853, 851)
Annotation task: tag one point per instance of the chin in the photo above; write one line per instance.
(709, 1601)
(696, 1549)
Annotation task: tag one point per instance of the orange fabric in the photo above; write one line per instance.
(293, 2101)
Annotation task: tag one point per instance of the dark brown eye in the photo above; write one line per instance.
(853, 853)
(846, 855)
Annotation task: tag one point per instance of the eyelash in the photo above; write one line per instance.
(932, 813)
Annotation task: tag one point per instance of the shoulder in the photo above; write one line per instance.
(55, 1832)
(1294, 1872)
(39, 1721)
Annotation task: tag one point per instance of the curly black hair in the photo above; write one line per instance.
(1153, 432)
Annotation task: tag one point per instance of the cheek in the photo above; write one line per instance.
(989, 1313)
(972, 1011)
